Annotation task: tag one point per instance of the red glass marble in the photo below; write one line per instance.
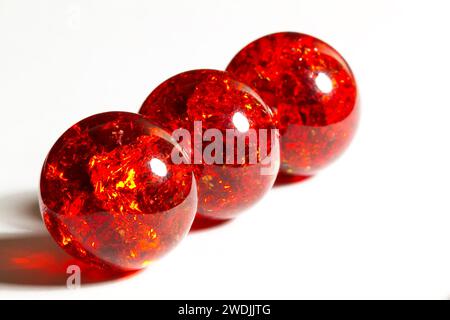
(312, 92)
(111, 195)
(218, 102)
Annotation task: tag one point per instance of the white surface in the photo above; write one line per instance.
(373, 225)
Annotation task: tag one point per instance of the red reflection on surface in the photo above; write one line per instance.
(283, 180)
(202, 223)
(38, 261)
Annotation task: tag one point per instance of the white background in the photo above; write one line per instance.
(375, 224)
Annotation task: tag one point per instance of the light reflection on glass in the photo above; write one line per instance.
(241, 122)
